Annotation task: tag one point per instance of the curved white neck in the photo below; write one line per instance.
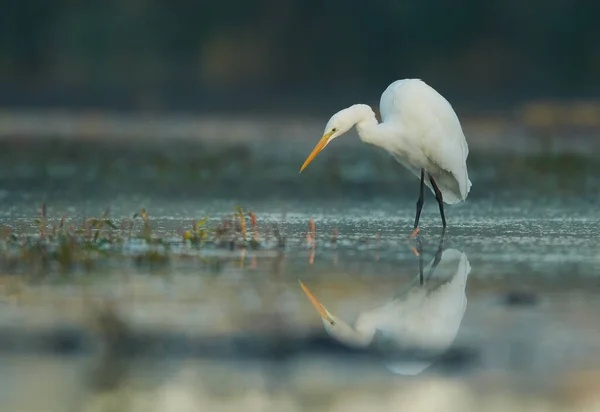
(355, 337)
(369, 129)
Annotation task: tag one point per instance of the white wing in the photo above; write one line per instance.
(433, 127)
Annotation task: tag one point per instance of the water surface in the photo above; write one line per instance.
(217, 328)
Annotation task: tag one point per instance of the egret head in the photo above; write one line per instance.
(339, 124)
(336, 327)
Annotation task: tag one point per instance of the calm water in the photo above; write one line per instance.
(515, 296)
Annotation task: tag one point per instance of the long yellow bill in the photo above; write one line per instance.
(320, 308)
(322, 143)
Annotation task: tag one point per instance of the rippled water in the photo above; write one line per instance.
(516, 293)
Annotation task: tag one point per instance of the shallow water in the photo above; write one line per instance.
(214, 329)
(532, 297)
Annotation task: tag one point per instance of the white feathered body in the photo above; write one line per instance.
(424, 133)
(426, 317)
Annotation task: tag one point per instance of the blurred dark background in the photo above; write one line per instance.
(292, 55)
(198, 98)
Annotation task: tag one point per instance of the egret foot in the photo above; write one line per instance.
(414, 233)
(415, 251)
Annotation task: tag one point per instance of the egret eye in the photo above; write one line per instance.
(334, 129)
(331, 322)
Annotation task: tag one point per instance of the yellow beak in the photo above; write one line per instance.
(320, 308)
(322, 143)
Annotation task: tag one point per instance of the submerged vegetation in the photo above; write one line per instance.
(56, 244)
(68, 245)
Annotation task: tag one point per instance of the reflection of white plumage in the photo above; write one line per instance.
(421, 316)
(420, 129)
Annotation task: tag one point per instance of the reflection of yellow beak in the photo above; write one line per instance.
(322, 143)
(320, 308)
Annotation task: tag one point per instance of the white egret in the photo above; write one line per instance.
(426, 314)
(421, 130)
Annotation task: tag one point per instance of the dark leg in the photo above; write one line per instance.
(438, 196)
(438, 255)
(436, 261)
(420, 201)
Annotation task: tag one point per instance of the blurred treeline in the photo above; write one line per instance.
(292, 53)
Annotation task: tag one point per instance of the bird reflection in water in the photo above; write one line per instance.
(423, 317)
